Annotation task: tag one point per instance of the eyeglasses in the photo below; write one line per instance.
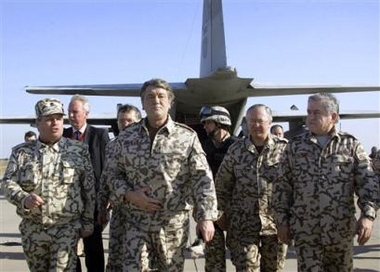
(257, 121)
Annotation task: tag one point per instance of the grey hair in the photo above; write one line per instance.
(83, 99)
(268, 111)
(329, 102)
(158, 83)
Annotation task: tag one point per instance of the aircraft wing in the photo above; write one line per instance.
(296, 120)
(109, 120)
(260, 90)
(223, 87)
(101, 120)
(132, 89)
(18, 120)
(290, 117)
(266, 90)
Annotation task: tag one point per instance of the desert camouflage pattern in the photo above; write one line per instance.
(49, 106)
(174, 166)
(314, 194)
(215, 250)
(49, 249)
(244, 188)
(117, 227)
(62, 176)
(376, 163)
(116, 244)
(104, 196)
(336, 257)
(168, 233)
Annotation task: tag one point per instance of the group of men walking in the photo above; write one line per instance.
(252, 195)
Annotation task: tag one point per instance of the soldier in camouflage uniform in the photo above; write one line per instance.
(277, 130)
(126, 115)
(160, 171)
(314, 195)
(244, 188)
(216, 122)
(376, 162)
(51, 183)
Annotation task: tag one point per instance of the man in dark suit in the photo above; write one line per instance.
(96, 139)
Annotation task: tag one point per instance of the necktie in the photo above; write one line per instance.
(76, 134)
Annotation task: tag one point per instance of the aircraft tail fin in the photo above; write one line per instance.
(213, 51)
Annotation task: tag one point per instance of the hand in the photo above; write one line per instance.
(141, 199)
(206, 228)
(364, 230)
(33, 201)
(283, 234)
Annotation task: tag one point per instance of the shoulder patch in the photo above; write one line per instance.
(346, 135)
(280, 140)
(184, 126)
(75, 143)
(22, 145)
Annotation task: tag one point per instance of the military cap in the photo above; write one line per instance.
(49, 106)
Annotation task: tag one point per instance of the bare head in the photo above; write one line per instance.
(322, 113)
(30, 136)
(277, 130)
(79, 108)
(157, 98)
(126, 115)
(259, 119)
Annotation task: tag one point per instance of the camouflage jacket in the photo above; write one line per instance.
(314, 194)
(174, 166)
(104, 194)
(244, 185)
(376, 163)
(61, 175)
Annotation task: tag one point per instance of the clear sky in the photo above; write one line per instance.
(276, 42)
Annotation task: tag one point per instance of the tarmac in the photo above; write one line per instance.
(366, 258)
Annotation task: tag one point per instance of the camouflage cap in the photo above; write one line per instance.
(49, 106)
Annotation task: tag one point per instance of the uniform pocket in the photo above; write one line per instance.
(28, 176)
(68, 172)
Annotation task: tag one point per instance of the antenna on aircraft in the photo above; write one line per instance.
(294, 107)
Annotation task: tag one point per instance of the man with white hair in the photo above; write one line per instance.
(321, 171)
(244, 184)
(96, 139)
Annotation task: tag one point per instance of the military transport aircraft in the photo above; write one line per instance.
(218, 84)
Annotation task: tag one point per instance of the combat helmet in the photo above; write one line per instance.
(217, 114)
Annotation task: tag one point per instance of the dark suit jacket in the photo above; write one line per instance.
(97, 139)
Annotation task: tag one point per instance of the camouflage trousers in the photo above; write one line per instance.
(315, 257)
(158, 238)
(215, 252)
(117, 228)
(263, 254)
(49, 249)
